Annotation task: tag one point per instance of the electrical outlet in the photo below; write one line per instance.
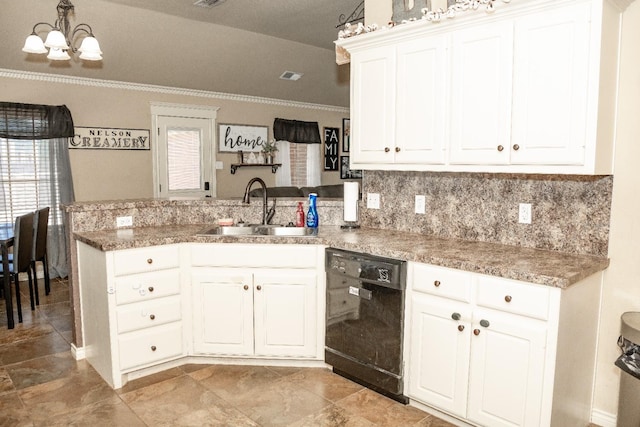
(124, 221)
(373, 200)
(524, 213)
(420, 206)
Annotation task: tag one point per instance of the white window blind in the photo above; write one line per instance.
(183, 159)
(25, 183)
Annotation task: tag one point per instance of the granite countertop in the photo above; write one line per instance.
(543, 267)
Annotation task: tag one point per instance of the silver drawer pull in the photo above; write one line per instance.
(484, 323)
(456, 316)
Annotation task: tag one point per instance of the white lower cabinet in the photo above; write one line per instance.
(257, 312)
(143, 309)
(132, 309)
(258, 300)
(492, 352)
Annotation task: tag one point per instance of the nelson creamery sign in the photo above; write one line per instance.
(110, 138)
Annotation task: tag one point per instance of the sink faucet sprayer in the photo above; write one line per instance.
(266, 217)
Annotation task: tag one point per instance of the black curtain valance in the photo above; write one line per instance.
(296, 131)
(32, 121)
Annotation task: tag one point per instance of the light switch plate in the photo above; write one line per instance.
(524, 213)
(373, 200)
(124, 221)
(421, 203)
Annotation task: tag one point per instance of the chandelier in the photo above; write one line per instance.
(61, 38)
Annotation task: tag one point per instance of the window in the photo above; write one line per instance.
(298, 159)
(35, 171)
(25, 178)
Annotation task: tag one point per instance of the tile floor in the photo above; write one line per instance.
(42, 385)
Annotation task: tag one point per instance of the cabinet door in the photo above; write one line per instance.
(481, 94)
(222, 311)
(285, 313)
(506, 370)
(439, 352)
(550, 87)
(421, 84)
(373, 105)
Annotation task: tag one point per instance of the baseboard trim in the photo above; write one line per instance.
(603, 419)
(78, 353)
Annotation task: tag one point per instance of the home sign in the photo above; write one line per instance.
(110, 138)
(234, 138)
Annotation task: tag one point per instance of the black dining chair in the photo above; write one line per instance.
(40, 226)
(22, 253)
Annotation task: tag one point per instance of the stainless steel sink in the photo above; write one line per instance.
(289, 231)
(230, 231)
(260, 230)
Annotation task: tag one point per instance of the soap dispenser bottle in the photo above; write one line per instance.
(300, 215)
(312, 214)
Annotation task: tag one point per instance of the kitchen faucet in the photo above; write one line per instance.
(247, 198)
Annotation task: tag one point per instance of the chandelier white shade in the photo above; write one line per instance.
(60, 40)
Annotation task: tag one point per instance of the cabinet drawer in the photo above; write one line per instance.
(146, 259)
(254, 256)
(150, 345)
(147, 314)
(146, 286)
(513, 297)
(443, 282)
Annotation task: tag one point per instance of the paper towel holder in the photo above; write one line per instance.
(351, 198)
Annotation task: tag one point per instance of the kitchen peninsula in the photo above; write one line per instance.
(164, 261)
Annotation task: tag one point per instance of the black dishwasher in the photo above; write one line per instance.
(365, 313)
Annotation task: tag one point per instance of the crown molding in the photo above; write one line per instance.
(113, 84)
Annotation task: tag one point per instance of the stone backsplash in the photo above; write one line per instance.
(569, 213)
(97, 216)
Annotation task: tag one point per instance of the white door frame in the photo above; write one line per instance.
(182, 110)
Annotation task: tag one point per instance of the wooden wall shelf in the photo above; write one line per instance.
(274, 166)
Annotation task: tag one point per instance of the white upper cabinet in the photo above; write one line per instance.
(550, 96)
(398, 96)
(530, 88)
(373, 94)
(481, 94)
(421, 88)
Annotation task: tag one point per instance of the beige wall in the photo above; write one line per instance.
(377, 12)
(622, 279)
(106, 175)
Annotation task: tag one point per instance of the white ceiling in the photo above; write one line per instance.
(311, 22)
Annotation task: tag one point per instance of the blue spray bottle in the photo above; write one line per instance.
(312, 214)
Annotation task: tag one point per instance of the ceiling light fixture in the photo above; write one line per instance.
(61, 38)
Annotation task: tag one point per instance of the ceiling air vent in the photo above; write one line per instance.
(208, 3)
(291, 75)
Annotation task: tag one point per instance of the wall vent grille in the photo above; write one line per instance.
(291, 75)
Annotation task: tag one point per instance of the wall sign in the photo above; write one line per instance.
(234, 138)
(110, 138)
(346, 172)
(331, 140)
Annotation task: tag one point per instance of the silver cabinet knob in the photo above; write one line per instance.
(456, 316)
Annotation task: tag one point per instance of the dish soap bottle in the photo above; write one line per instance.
(312, 214)
(300, 215)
